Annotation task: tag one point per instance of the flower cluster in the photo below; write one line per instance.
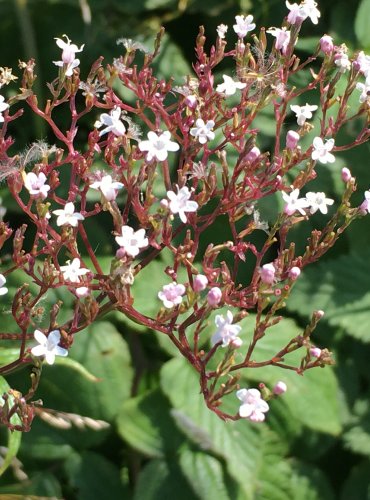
(200, 163)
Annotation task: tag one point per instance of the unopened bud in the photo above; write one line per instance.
(326, 44)
(315, 352)
(82, 291)
(253, 154)
(214, 296)
(292, 139)
(319, 314)
(235, 343)
(294, 273)
(346, 174)
(267, 273)
(200, 283)
(279, 388)
(191, 101)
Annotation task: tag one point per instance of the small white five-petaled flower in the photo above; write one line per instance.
(67, 215)
(158, 146)
(73, 270)
(132, 241)
(48, 346)
(243, 25)
(282, 38)
(171, 295)
(203, 131)
(69, 62)
(226, 332)
(253, 407)
(107, 187)
(35, 184)
(112, 123)
(321, 151)
(303, 112)
(294, 203)
(318, 201)
(180, 203)
(229, 86)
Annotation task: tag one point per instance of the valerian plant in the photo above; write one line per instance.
(198, 144)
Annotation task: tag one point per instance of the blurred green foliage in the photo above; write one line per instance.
(162, 441)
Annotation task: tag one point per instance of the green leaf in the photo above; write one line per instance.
(145, 423)
(205, 475)
(362, 23)
(340, 288)
(357, 436)
(358, 483)
(93, 477)
(160, 479)
(14, 438)
(253, 454)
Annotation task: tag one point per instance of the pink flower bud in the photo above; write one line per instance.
(292, 139)
(267, 273)
(236, 343)
(294, 273)
(279, 388)
(315, 352)
(346, 174)
(200, 283)
(164, 203)
(253, 154)
(319, 314)
(326, 44)
(191, 101)
(214, 296)
(82, 291)
(120, 253)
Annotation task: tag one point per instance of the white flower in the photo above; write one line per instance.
(253, 407)
(72, 271)
(171, 295)
(243, 25)
(226, 332)
(3, 107)
(294, 203)
(309, 8)
(180, 202)
(321, 151)
(132, 241)
(282, 38)
(364, 88)
(365, 205)
(303, 112)
(67, 215)
(108, 187)
(35, 184)
(158, 146)
(363, 63)
(69, 62)
(69, 49)
(48, 346)
(296, 14)
(203, 131)
(3, 289)
(342, 61)
(318, 201)
(229, 86)
(222, 30)
(112, 123)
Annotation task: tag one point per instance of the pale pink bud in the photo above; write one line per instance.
(235, 343)
(253, 154)
(279, 388)
(267, 273)
(164, 203)
(214, 296)
(292, 139)
(326, 44)
(346, 174)
(191, 101)
(294, 273)
(319, 314)
(200, 283)
(120, 253)
(315, 352)
(82, 291)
